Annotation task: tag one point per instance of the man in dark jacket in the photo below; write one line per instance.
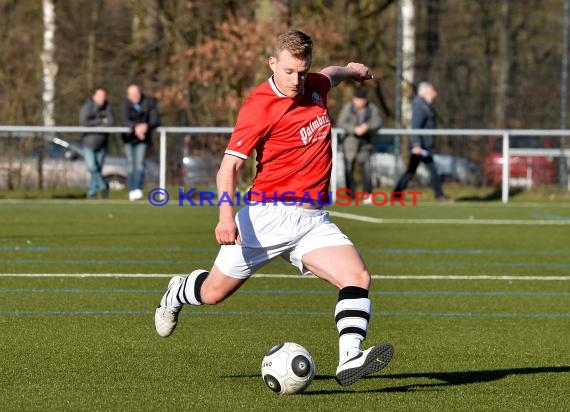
(422, 147)
(139, 113)
(96, 112)
(361, 120)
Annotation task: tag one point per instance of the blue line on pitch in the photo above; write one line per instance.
(106, 249)
(33, 290)
(550, 217)
(476, 314)
(455, 264)
(388, 251)
(483, 252)
(404, 293)
(304, 292)
(291, 314)
(74, 312)
(139, 262)
(103, 262)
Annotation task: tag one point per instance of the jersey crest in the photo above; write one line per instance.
(317, 99)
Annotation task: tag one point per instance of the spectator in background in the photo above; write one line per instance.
(139, 113)
(361, 120)
(422, 147)
(96, 112)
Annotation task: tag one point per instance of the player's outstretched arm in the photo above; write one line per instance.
(352, 71)
(226, 230)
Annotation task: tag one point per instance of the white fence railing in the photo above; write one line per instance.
(164, 131)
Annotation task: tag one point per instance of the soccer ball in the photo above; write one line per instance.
(288, 368)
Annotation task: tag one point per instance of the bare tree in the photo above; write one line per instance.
(48, 61)
(432, 32)
(408, 58)
(147, 33)
(504, 63)
(276, 11)
(49, 74)
(91, 42)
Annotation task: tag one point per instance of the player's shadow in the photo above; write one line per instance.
(444, 379)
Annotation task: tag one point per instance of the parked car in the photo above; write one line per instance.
(63, 166)
(527, 170)
(387, 168)
(457, 169)
(199, 170)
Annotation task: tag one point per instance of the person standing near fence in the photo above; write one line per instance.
(422, 147)
(360, 120)
(96, 112)
(139, 113)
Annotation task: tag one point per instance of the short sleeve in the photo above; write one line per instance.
(324, 82)
(251, 126)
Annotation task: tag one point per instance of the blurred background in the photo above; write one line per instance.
(496, 64)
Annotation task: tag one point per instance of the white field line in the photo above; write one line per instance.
(285, 276)
(473, 221)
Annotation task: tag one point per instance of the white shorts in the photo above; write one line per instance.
(272, 230)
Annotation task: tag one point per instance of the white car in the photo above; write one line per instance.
(63, 166)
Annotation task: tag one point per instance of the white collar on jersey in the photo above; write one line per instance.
(276, 89)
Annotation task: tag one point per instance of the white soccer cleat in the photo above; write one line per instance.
(166, 314)
(136, 194)
(364, 363)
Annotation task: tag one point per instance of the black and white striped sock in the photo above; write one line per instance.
(189, 290)
(352, 314)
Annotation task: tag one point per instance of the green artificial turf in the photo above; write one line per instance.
(88, 343)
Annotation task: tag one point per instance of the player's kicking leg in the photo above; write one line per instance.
(352, 314)
(199, 287)
(342, 266)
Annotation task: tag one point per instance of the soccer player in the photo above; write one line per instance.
(286, 121)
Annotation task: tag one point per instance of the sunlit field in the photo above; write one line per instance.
(473, 296)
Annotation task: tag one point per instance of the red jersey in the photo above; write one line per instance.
(291, 137)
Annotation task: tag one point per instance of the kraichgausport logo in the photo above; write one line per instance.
(342, 197)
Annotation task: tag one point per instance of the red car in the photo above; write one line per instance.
(525, 170)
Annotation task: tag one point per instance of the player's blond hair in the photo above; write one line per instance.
(299, 44)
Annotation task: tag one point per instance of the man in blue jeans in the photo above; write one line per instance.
(96, 112)
(139, 113)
